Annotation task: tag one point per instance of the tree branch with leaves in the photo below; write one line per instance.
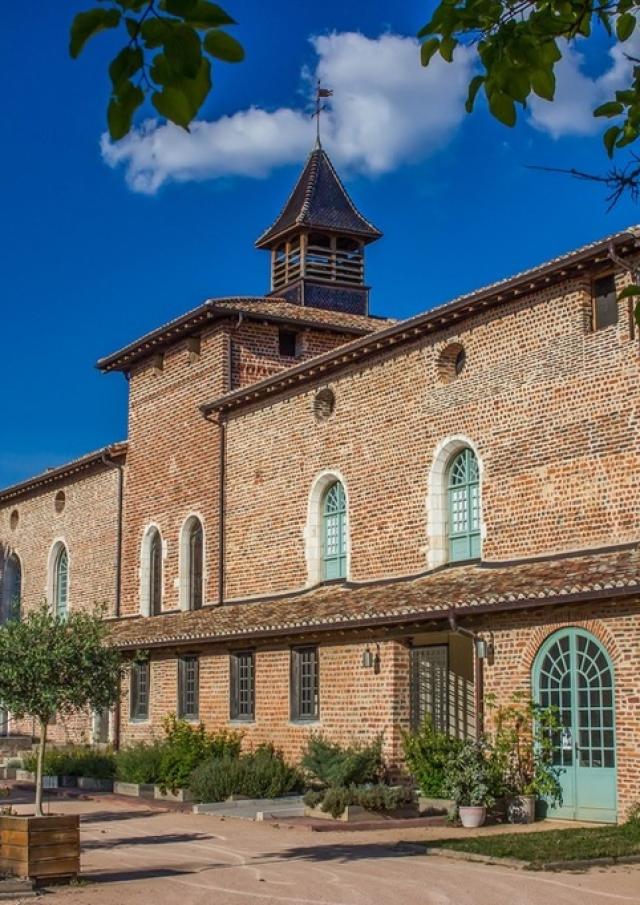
(57, 665)
(167, 54)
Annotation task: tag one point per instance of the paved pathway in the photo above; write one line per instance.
(132, 856)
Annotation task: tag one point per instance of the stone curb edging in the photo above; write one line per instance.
(518, 864)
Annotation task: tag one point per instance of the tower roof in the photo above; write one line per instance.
(319, 201)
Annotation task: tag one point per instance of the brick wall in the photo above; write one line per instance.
(355, 703)
(88, 526)
(551, 408)
(173, 453)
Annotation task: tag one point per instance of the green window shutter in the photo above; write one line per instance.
(334, 532)
(463, 497)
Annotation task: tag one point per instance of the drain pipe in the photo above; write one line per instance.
(222, 426)
(481, 650)
(120, 470)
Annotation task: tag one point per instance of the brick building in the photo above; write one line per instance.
(324, 521)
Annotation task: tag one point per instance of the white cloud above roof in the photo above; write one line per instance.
(386, 110)
(578, 94)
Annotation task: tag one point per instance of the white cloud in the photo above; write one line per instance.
(386, 110)
(577, 94)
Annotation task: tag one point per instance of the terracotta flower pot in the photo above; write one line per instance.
(472, 816)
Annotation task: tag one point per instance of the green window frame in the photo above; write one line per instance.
(463, 501)
(334, 532)
(61, 582)
(139, 687)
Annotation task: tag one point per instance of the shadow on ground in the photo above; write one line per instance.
(162, 839)
(345, 853)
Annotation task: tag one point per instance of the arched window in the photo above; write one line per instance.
(10, 588)
(192, 568)
(154, 576)
(61, 582)
(463, 497)
(334, 532)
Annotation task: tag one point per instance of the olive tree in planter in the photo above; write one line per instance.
(50, 665)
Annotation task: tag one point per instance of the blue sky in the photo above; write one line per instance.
(96, 252)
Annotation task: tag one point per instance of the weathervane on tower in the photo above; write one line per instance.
(320, 107)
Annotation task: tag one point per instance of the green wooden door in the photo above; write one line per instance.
(573, 673)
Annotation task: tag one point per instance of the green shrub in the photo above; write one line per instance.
(187, 746)
(427, 752)
(75, 761)
(376, 797)
(139, 763)
(330, 764)
(469, 776)
(261, 774)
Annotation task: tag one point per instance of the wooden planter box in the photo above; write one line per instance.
(40, 848)
(134, 790)
(25, 776)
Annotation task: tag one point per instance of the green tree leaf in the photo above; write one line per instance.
(629, 291)
(209, 15)
(625, 25)
(223, 46)
(610, 138)
(611, 108)
(121, 109)
(503, 108)
(174, 105)
(543, 82)
(183, 51)
(87, 24)
(428, 49)
(474, 87)
(125, 64)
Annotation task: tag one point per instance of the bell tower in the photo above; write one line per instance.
(318, 241)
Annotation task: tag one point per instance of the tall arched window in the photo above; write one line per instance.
(334, 532)
(192, 568)
(154, 576)
(463, 497)
(61, 582)
(10, 588)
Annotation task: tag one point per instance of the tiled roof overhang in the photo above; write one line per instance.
(70, 469)
(251, 307)
(561, 268)
(469, 589)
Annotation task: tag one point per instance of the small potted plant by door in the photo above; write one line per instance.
(523, 755)
(468, 781)
(51, 664)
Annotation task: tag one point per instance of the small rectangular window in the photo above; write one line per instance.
(139, 701)
(288, 343)
(305, 691)
(605, 302)
(188, 691)
(242, 685)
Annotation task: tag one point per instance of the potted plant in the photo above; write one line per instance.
(468, 780)
(523, 752)
(52, 664)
